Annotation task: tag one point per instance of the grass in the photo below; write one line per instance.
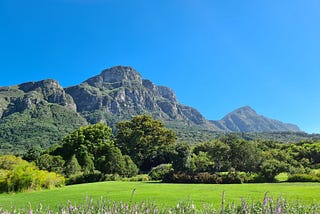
(163, 195)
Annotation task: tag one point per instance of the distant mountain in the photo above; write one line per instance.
(246, 119)
(120, 92)
(41, 113)
(35, 113)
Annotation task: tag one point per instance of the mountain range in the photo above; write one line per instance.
(41, 113)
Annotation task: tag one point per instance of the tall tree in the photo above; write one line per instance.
(92, 147)
(141, 138)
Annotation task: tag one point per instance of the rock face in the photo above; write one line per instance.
(41, 113)
(35, 113)
(121, 92)
(245, 119)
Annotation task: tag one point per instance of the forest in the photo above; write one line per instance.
(143, 148)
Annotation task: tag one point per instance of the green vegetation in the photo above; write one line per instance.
(145, 140)
(93, 153)
(42, 126)
(164, 195)
(18, 175)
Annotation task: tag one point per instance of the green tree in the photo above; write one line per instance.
(201, 162)
(90, 138)
(270, 168)
(218, 152)
(181, 157)
(72, 166)
(244, 155)
(51, 163)
(141, 138)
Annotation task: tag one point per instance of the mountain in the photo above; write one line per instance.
(246, 119)
(120, 92)
(41, 113)
(35, 113)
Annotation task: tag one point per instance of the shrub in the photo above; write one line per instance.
(17, 175)
(303, 178)
(158, 172)
(142, 177)
(232, 177)
(96, 176)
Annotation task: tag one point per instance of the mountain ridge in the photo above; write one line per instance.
(246, 119)
(44, 111)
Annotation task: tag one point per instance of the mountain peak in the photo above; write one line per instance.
(120, 73)
(244, 110)
(246, 119)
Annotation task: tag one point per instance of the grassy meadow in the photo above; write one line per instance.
(161, 194)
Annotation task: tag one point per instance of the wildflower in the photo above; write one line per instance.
(278, 209)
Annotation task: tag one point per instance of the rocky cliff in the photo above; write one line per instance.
(120, 92)
(41, 113)
(35, 113)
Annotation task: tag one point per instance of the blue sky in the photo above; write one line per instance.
(216, 55)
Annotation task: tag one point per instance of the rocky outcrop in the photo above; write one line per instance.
(245, 119)
(121, 91)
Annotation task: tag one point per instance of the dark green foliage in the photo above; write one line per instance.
(41, 127)
(72, 167)
(244, 155)
(303, 178)
(92, 148)
(50, 163)
(218, 152)
(160, 171)
(181, 157)
(95, 176)
(141, 138)
(131, 168)
(201, 162)
(270, 168)
(231, 177)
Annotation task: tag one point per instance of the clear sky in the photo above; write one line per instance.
(216, 55)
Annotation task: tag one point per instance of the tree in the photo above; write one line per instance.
(50, 163)
(201, 162)
(181, 156)
(92, 148)
(244, 155)
(270, 168)
(217, 151)
(72, 166)
(141, 138)
(89, 138)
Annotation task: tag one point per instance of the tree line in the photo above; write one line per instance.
(144, 145)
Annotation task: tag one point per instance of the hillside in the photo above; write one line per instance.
(246, 119)
(35, 113)
(41, 113)
(120, 92)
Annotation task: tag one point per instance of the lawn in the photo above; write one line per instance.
(166, 195)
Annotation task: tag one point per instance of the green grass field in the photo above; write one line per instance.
(163, 195)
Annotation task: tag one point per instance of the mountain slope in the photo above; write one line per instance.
(41, 113)
(35, 114)
(120, 93)
(245, 119)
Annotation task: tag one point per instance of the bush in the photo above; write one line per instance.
(96, 176)
(17, 175)
(232, 177)
(112, 177)
(303, 178)
(158, 172)
(254, 178)
(142, 177)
